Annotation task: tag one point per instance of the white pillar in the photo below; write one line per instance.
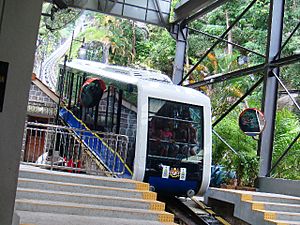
(19, 22)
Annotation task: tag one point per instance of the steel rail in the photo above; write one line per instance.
(209, 211)
(184, 213)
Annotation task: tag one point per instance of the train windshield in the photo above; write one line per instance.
(175, 131)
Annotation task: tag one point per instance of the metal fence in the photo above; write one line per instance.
(74, 150)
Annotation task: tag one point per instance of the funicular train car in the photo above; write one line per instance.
(168, 126)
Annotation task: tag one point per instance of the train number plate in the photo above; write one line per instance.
(168, 172)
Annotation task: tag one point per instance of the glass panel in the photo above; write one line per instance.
(175, 130)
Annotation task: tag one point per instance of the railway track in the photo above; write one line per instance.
(49, 67)
(191, 211)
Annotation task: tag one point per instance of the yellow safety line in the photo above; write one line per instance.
(80, 121)
(166, 218)
(270, 216)
(148, 195)
(246, 197)
(142, 186)
(258, 206)
(157, 206)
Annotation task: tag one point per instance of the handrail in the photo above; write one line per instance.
(63, 147)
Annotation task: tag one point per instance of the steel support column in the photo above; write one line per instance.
(180, 34)
(271, 86)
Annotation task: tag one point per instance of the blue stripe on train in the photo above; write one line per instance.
(172, 186)
(96, 145)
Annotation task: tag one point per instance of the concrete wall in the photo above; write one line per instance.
(40, 104)
(279, 186)
(37, 95)
(18, 34)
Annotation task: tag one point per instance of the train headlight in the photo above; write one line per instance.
(152, 188)
(190, 193)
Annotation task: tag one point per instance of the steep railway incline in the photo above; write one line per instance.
(50, 197)
(49, 72)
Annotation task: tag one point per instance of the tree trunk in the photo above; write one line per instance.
(105, 52)
(133, 41)
(229, 37)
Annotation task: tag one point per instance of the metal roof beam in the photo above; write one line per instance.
(190, 10)
(227, 76)
(250, 70)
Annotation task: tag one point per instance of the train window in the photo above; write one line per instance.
(175, 130)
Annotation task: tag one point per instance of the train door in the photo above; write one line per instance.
(175, 149)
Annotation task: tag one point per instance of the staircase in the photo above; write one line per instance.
(51, 197)
(260, 208)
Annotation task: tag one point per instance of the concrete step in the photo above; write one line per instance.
(274, 206)
(91, 210)
(284, 222)
(44, 174)
(85, 189)
(266, 197)
(40, 218)
(256, 196)
(258, 207)
(59, 196)
(278, 215)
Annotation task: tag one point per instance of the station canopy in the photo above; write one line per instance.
(155, 12)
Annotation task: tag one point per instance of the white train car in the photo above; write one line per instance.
(169, 126)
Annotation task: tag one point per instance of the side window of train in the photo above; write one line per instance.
(117, 113)
(175, 130)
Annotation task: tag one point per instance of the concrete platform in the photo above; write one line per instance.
(258, 207)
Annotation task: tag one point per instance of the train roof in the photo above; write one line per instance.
(124, 74)
(152, 83)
